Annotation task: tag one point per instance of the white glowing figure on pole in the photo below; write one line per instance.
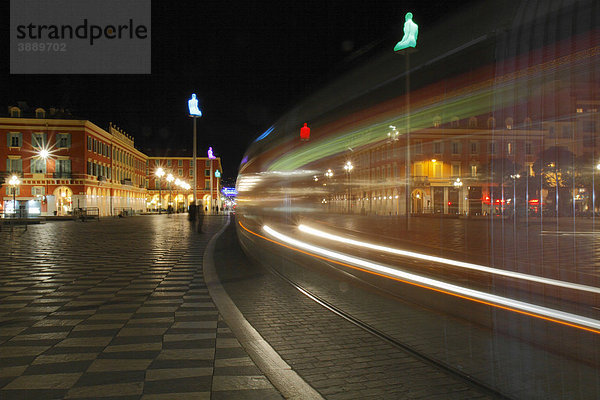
(193, 106)
(411, 31)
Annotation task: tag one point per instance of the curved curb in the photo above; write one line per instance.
(281, 375)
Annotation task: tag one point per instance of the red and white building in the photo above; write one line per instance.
(64, 163)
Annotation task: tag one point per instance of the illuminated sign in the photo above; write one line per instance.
(217, 174)
(411, 31)
(193, 107)
(229, 191)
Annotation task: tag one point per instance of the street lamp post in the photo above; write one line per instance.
(159, 173)
(170, 179)
(14, 182)
(44, 154)
(514, 199)
(406, 46)
(195, 113)
(348, 167)
(458, 185)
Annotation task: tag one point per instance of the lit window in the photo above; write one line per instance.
(473, 171)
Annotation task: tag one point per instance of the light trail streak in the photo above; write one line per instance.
(545, 313)
(447, 261)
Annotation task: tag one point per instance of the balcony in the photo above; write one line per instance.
(61, 175)
(126, 182)
(420, 180)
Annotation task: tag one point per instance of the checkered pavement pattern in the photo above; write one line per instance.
(117, 309)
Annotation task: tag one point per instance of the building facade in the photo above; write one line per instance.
(162, 192)
(64, 164)
(474, 167)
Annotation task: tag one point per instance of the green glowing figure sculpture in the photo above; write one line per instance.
(411, 30)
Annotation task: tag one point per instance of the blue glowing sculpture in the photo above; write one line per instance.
(193, 106)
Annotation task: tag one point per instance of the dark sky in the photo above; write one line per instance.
(248, 61)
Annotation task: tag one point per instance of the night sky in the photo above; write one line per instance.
(248, 62)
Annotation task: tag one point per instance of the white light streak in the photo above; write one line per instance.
(440, 285)
(447, 261)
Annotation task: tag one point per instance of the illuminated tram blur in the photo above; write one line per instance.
(488, 239)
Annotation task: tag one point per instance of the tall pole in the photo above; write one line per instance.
(407, 166)
(159, 195)
(195, 183)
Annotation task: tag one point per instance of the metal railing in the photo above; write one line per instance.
(86, 213)
(123, 212)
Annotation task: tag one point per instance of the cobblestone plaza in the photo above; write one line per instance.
(81, 321)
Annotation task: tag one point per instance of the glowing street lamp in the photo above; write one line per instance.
(405, 47)
(159, 173)
(393, 134)
(14, 182)
(195, 113)
(348, 167)
(44, 154)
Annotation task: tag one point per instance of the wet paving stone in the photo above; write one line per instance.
(114, 309)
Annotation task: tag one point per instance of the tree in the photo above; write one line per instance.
(556, 170)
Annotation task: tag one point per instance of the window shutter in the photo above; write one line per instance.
(20, 165)
(20, 139)
(68, 135)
